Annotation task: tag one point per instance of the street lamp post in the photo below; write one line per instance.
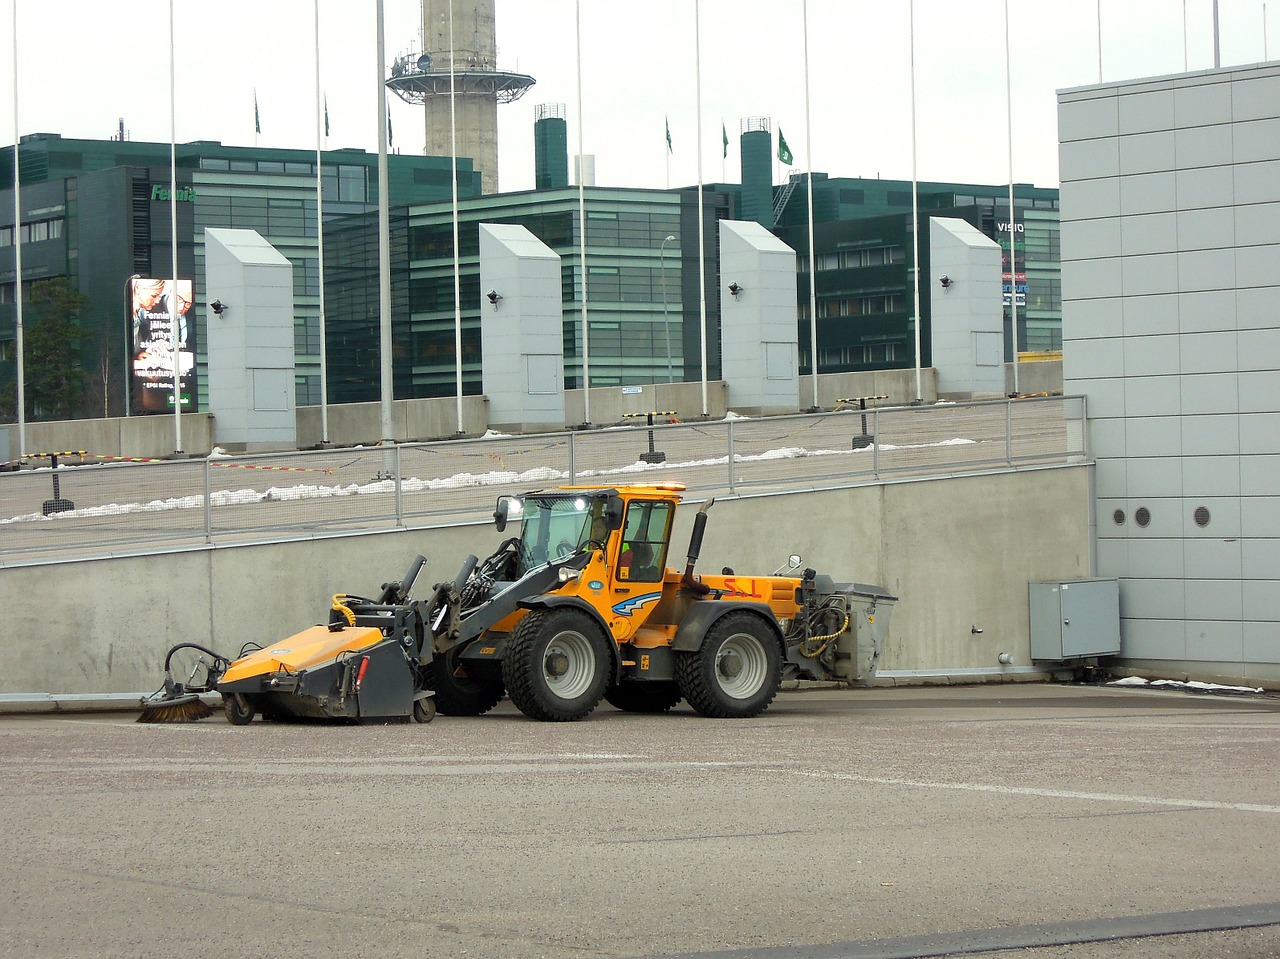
(666, 322)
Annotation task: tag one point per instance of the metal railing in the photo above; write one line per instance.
(108, 508)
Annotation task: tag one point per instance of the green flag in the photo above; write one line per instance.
(724, 135)
(391, 137)
(668, 135)
(326, 116)
(257, 125)
(784, 151)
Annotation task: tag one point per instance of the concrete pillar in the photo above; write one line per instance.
(250, 342)
(521, 330)
(759, 346)
(966, 311)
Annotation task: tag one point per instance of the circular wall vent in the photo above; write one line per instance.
(1142, 516)
(1202, 516)
(1118, 516)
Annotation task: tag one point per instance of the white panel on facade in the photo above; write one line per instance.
(1208, 311)
(1154, 598)
(1211, 557)
(1260, 475)
(1147, 436)
(1259, 432)
(1091, 159)
(1149, 233)
(1208, 353)
(1156, 558)
(1146, 152)
(1144, 315)
(1152, 638)
(1145, 112)
(1201, 105)
(1261, 642)
(1150, 355)
(1088, 117)
(1206, 229)
(1257, 265)
(1205, 187)
(1255, 98)
(1261, 601)
(1210, 393)
(1207, 270)
(1260, 516)
(1089, 199)
(1222, 523)
(1202, 146)
(1214, 641)
(1156, 478)
(1212, 435)
(1146, 193)
(1093, 239)
(1255, 309)
(1152, 396)
(1256, 224)
(1256, 140)
(1256, 182)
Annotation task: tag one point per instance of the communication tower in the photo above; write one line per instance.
(424, 77)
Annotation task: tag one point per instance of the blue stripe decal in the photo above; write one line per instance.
(629, 606)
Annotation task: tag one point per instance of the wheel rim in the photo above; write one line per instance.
(569, 664)
(741, 666)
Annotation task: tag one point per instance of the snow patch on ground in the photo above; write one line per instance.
(1177, 684)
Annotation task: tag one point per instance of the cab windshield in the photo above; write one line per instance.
(556, 527)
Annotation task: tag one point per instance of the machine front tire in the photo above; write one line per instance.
(238, 709)
(457, 695)
(556, 665)
(644, 697)
(736, 673)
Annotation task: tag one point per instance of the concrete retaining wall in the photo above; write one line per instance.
(958, 552)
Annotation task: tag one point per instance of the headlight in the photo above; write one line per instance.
(567, 575)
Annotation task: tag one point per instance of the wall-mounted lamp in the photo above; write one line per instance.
(735, 289)
(946, 282)
(218, 307)
(493, 296)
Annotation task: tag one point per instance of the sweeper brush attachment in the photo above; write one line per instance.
(190, 671)
(186, 709)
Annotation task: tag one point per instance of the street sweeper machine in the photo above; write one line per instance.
(580, 606)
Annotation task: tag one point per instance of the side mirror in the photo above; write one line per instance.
(508, 508)
(613, 512)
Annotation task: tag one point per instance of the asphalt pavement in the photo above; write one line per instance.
(1039, 820)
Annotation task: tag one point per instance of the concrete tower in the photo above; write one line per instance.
(480, 86)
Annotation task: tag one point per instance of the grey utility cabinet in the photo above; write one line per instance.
(1076, 618)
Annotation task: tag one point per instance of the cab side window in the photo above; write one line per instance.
(645, 534)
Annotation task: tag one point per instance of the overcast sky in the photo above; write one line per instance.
(84, 64)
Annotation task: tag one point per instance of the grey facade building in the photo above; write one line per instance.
(1171, 274)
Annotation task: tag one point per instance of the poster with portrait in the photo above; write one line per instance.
(160, 322)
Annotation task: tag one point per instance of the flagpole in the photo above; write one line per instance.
(17, 253)
(702, 245)
(457, 254)
(1099, 41)
(813, 265)
(321, 111)
(915, 202)
(1013, 234)
(387, 389)
(175, 316)
(582, 230)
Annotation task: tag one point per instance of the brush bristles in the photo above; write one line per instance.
(190, 711)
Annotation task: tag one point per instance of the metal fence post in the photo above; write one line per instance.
(875, 445)
(208, 502)
(573, 465)
(1008, 432)
(399, 487)
(732, 471)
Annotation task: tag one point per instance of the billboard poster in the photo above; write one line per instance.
(1011, 281)
(155, 309)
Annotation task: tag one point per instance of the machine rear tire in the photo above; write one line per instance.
(736, 673)
(460, 696)
(556, 665)
(644, 697)
(238, 709)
